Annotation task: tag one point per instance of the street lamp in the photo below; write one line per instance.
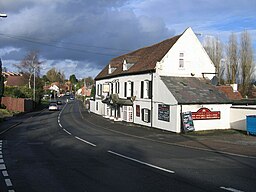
(3, 15)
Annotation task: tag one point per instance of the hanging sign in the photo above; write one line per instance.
(205, 114)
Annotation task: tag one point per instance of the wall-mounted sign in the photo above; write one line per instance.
(187, 121)
(105, 88)
(164, 112)
(205, 114)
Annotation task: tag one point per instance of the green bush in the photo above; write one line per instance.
(2, 106)
(18, 92)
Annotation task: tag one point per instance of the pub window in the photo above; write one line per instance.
(99, 89)
(181, 63)
(97, 106)
(146, 89)
(128, 89)
(117, 87)
(145, 115)
(181, 60)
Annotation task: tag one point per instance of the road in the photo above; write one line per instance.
(67, 151)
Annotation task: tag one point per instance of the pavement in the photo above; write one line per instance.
(229, 142)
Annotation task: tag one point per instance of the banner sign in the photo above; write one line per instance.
(205, 114)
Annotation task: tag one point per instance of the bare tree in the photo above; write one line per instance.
(31, 65)
(232, 59)
(214, 49)
(246, 62)
(55, 76)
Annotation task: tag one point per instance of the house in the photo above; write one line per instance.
(15, 79)
(162, 86)
(84, 91)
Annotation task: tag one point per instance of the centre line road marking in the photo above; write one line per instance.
(67, 131)
(141, 162)
(5, 173)
(8, 182)
(231, 189)
(87, 142)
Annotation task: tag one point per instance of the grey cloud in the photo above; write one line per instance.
(76, 29)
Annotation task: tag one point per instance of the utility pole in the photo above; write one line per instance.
(2, 15)
(1, 83)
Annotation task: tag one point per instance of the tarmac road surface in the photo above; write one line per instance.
(73, 150)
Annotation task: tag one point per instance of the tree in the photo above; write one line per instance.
(246, 62)
(214, 49)
(232, 59)
(55, 76)
(31, 65)
(73, 79)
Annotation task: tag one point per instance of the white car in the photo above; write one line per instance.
(53, 107)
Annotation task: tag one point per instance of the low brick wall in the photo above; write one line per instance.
(18, 104)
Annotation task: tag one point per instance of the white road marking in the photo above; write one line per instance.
(87, 142)
(231, 189)
(67, 131)
(11, 191)
(60, 125)
(1, 161)
(1, 156)
(2, 167)
(5, 174)
(8, 182)
(141, 162)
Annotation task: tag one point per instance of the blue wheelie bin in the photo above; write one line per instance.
(251, 124)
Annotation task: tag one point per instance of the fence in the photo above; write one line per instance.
(18, 104)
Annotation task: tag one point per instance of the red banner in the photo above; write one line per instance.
(205, 114)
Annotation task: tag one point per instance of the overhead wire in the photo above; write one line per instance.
(36, 41)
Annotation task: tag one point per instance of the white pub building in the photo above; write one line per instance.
(167, 85)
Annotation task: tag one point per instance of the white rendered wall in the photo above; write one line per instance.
(222, 123)
(196, 60)
(238, 116)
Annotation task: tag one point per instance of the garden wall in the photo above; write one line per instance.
(18, 104)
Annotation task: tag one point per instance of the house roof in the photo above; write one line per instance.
(228, 91)
(14, 80)
(144, 59)
(192, 90)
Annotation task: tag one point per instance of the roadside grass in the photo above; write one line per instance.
(6, 113)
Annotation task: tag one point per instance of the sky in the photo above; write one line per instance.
(81, 36)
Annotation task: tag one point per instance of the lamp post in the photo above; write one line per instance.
(3, 15)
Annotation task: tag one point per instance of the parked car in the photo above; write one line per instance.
(53, 107)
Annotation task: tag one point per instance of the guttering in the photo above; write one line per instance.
(126, 74)
(204, 103)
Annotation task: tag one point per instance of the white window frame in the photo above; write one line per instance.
(181, 60)
(146, 115)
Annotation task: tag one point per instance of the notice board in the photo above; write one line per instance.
(164, 112)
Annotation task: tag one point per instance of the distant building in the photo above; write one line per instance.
(163, 86)
(15, 79)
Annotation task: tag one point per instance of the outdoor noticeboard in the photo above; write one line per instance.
(164, 112)
(187, 121)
